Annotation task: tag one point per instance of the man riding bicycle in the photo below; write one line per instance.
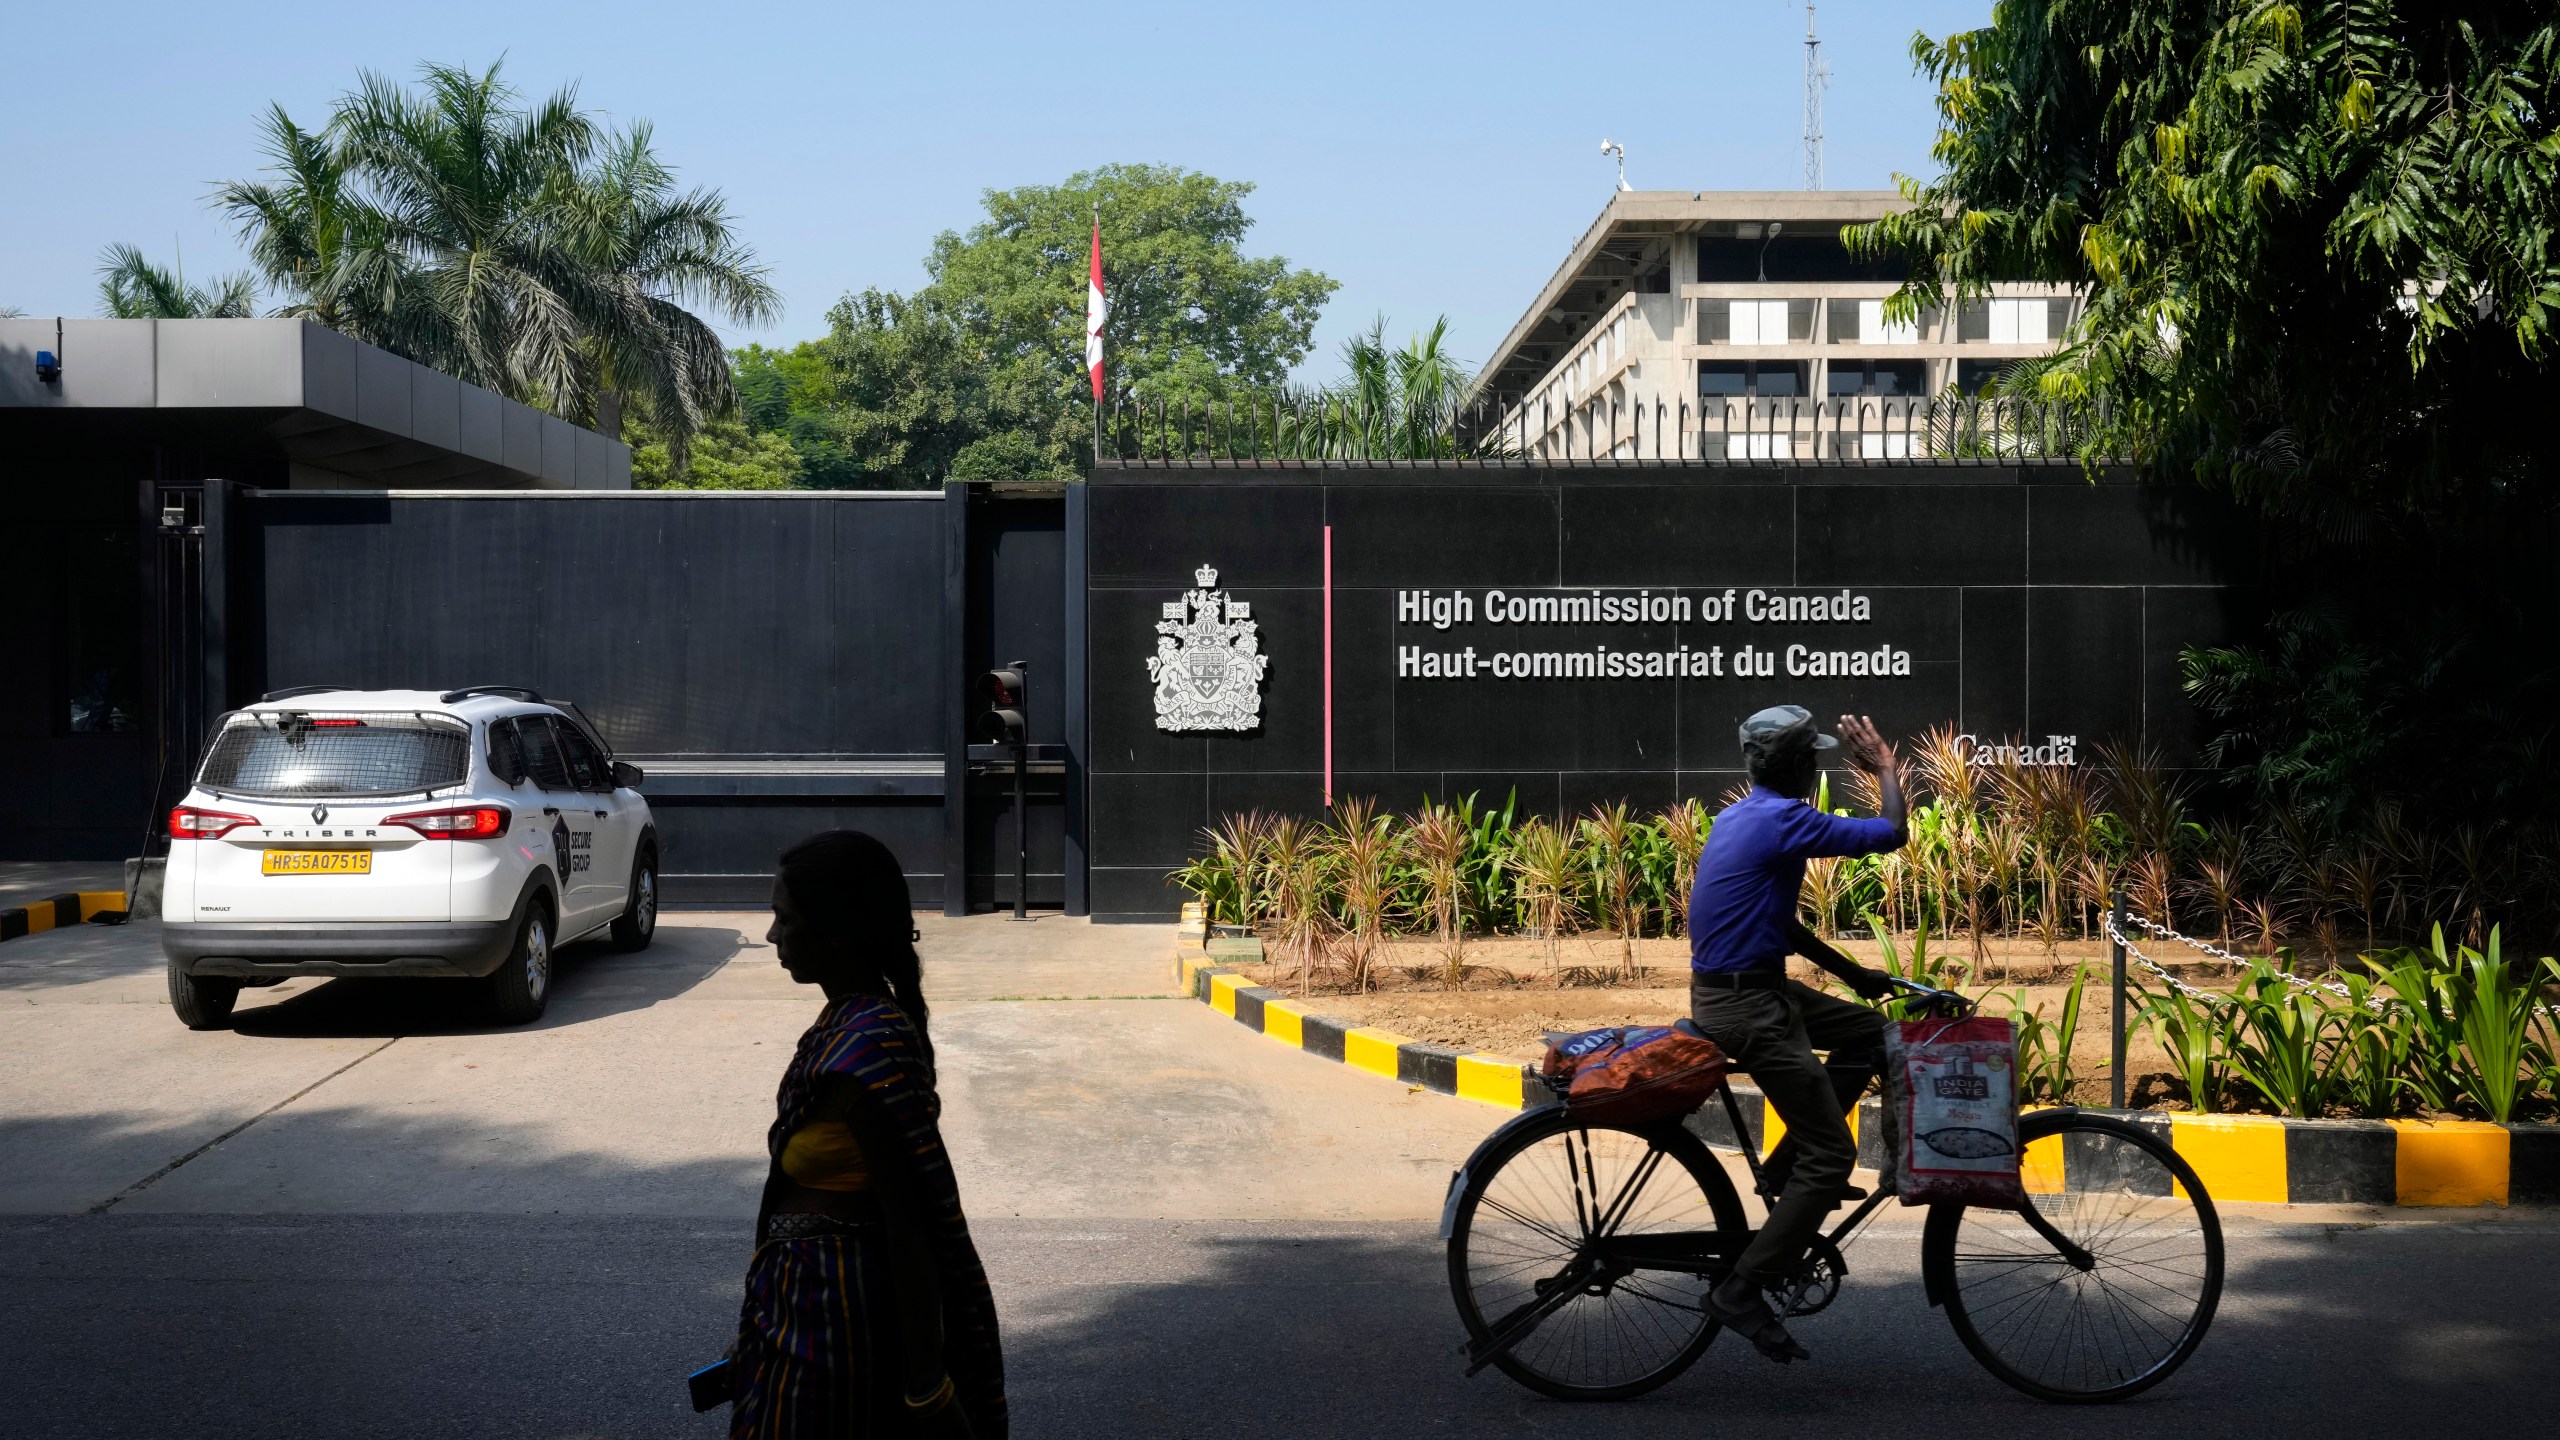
(1742, 927)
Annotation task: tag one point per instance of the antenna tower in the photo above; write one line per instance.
(1816, 75)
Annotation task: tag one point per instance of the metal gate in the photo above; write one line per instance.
(174, 580)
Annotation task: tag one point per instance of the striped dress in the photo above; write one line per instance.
(817, 1348)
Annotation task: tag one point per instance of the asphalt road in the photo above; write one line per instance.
(392, 1222)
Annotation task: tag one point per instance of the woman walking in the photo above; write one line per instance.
(867, 1312)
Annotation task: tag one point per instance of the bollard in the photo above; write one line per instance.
(2115, 952)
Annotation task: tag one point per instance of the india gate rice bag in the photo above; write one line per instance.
(1956, 1081)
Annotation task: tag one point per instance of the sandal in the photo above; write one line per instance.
(1756, 1323)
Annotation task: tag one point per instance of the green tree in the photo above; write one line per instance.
(911, 389)
(132, 288)
(791, 393)
(979, 375)
(725, 455)
(527, 249)
(2317, 239)
(1191, 313)
(986, 360)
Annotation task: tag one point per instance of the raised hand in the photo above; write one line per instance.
(1868, 749)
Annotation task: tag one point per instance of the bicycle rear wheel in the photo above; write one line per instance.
(1595, 1245)
(2044, 1325)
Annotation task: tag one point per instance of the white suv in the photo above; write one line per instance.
(398, 832)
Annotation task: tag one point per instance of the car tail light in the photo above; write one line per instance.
(189, 823)
(477, 822)
(333, 724)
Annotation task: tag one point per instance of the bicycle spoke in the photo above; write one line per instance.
(2063, 1332)
(1530, 1250)
(1525, 1222)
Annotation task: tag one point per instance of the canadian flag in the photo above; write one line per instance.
(1095, 308)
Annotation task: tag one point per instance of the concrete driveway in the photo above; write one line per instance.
(361, 1213)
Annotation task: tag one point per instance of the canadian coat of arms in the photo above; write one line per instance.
(1208, 664)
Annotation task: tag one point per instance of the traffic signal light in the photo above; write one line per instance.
(1002, 691)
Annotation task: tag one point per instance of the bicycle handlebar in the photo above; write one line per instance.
(1931, 996)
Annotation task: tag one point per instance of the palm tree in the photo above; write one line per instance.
(315, 237)
(132, 288)
(469, 188)
(527, 250)
(1402, 404)
(649, 247)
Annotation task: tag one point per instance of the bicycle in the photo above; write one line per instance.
(1579, 1254)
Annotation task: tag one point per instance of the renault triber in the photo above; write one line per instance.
(464, 834)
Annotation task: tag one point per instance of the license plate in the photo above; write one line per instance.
(317, 862)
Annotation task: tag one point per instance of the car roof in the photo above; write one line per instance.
(482, 707)
(432, 701)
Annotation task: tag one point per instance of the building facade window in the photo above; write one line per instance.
(1973, 375)
(1874, 329)
(1738, 252)
(1754, 379)
(1754, 322)
(1897, 379)
(2012, 322)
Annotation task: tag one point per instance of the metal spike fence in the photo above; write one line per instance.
(1283, 428)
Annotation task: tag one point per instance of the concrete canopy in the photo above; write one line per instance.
(336, 413)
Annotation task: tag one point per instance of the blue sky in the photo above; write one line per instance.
(1434, 159)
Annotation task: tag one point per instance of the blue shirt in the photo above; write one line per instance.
(1751, 871)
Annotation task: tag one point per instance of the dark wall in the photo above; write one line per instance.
(2030, 602)
(81, 709)
(78, 708)
(787, 646)
(686, 625)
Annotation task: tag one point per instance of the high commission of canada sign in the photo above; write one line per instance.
(1442, 609)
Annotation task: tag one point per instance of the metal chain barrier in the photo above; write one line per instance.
(2218, 953)
(2154, 966)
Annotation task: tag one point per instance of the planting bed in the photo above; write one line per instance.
(1511, 998)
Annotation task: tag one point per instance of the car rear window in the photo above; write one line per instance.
(336, 755)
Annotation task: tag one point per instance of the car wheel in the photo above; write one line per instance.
(202, 1002)
(638, 923)
(520, 986)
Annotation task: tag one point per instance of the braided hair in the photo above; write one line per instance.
(848, 889)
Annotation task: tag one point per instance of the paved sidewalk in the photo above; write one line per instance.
(25, 880)
(1076, 1083)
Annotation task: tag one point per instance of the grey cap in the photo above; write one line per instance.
(1782, 729)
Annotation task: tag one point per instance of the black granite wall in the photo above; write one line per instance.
(775, 634)
(2029, 602)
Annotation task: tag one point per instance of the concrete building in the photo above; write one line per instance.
(130, 453)
(1734, 324)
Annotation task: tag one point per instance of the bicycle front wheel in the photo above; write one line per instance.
(1586, 1250)
(2149, 1275)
